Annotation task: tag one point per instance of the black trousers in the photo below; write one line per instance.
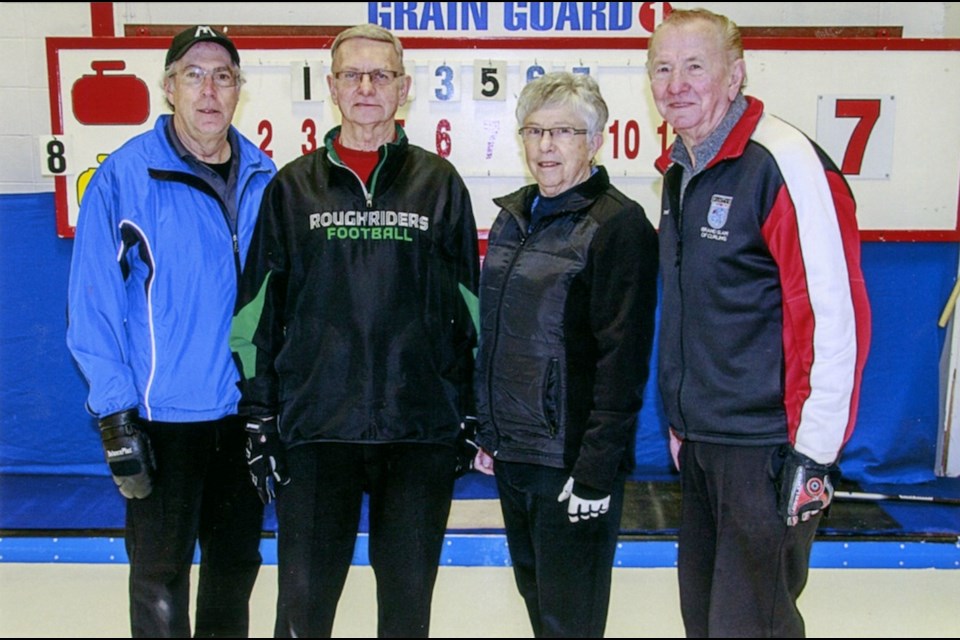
(740, 567)
(410, 488)
(563, 569)
(202, 492)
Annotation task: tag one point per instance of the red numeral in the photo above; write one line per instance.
(310, 128)
(443, 138)
(265, 129)
(631, 139)
(868, 111)
(663, 130)
(652, 14)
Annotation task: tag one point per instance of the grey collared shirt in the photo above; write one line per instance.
(709, 148)
(225, 189)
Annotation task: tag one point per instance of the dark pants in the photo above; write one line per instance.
(318, 513)
(202, 491)
(563, 569)
(740, 567)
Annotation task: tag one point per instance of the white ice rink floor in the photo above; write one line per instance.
(51, 600)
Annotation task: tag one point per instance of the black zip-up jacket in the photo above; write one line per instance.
(355, 315)
(566, 326)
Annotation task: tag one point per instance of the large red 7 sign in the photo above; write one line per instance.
(857, 132)
(868, 111)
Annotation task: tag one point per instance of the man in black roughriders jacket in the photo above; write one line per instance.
(355, 333)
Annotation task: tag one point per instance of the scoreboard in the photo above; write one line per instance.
(883, 109)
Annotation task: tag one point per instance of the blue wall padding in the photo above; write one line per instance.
(44, 428)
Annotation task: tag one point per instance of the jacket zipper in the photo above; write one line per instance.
(493, 350)
(367, 193)
(235, 231)
(681, 429)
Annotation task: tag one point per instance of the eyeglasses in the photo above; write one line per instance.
(222, 77)
(560, 134)
(378, 77)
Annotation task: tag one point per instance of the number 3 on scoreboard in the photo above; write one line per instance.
(857, 132)
(446, 82)
(490, 80)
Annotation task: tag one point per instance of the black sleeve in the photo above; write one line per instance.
(623, 266)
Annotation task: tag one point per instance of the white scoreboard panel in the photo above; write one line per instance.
(884, 109)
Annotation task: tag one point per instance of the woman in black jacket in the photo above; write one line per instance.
(567, 300)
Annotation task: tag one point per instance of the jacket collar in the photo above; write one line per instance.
(581, 196)
(170, 160)
(398, 143)
(735, 142)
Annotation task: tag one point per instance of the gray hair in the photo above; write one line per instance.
(367, 32)
(576, 91)
(726, 30)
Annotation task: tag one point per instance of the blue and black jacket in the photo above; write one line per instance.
(153, 280)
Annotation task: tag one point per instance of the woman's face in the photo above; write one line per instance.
(558, 162)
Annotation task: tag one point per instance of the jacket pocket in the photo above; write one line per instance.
(552, 398)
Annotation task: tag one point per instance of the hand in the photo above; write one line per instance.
(466, 445)
(675, 443)
(128, 452)
(265, 457)
(804, 488)
(483, 462)
(581, 508)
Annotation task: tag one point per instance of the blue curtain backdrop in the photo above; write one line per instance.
(45, 430)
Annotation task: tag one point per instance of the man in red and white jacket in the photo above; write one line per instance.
(764, 333)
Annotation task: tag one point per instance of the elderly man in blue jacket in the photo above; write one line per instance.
(163, 230)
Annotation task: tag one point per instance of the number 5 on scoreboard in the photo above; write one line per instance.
(857, 133)
(490, 80)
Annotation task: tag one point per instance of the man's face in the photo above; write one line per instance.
(202, 112)
(693, 80)
(365, 102)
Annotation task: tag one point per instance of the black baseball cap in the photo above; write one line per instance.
(200, 33)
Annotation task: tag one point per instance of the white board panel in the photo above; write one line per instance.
(911, 149)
